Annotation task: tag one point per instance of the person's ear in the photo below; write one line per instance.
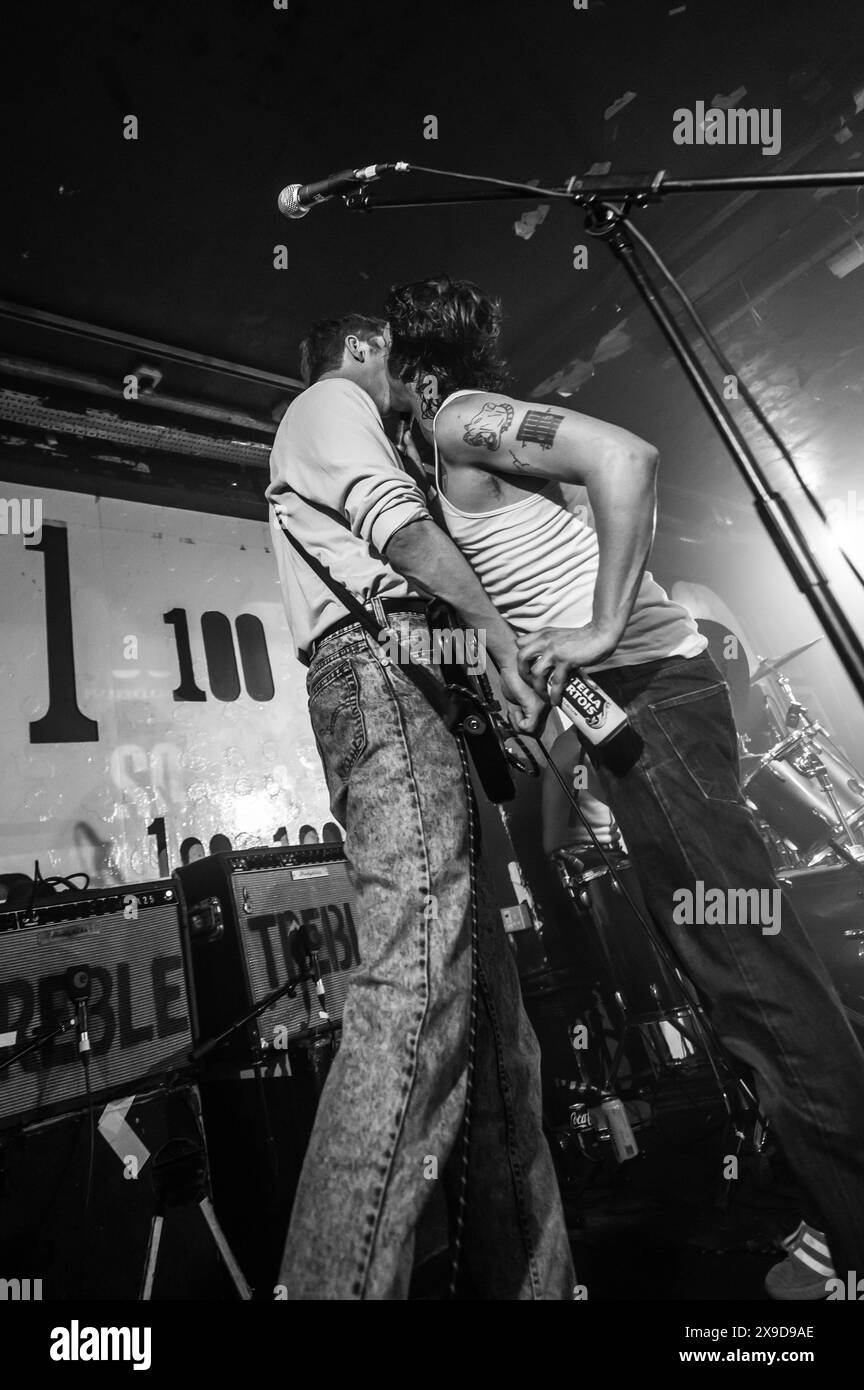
(356, 347)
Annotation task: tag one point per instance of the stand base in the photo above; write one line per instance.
(205, 1206)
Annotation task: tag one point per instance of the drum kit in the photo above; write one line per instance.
(807, 795)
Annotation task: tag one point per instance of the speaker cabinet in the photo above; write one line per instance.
(130, 943)
(252, 917)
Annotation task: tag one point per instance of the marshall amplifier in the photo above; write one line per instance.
(253, 917)
(128, 942)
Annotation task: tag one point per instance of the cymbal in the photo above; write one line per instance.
(770, 664)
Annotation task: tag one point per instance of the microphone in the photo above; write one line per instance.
(296, 200)
(78, 979)
(310, 955)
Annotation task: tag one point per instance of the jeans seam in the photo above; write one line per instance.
(414, 1048)
(515, 1166)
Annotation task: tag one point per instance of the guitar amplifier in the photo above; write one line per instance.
(252, 917)
(130, 941)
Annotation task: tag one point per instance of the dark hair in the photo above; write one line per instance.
(304, 830)
(448, 327)
(324, 345)
(219, 844)
(331, 834)
(186, 848)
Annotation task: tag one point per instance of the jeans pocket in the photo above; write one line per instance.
(337, 718)
(698, 728)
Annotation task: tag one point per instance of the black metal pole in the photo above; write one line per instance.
(776, 515)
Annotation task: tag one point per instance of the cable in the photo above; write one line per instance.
(39, 880)
(498, 183)
(92, 1115)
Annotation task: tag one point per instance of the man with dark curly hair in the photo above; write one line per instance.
(555, 512)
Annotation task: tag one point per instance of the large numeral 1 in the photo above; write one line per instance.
(156, 828)
(63, 721)
(187, 689)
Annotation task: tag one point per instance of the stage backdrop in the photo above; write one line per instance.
(149, 690)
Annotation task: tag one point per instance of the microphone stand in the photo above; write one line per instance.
(40, 1040)
(609, 222)
(289, 988)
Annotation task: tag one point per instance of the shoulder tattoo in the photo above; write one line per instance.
(486, 427)
(539, 427)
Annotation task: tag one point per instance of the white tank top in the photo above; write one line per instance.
(537, 559)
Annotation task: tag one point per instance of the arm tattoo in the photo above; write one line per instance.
(520, 463)
(486, 427)
(539, 427)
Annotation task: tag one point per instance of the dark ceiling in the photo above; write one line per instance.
(172, 236)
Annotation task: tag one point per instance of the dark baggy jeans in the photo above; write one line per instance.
(392, 1109)
(685, 820)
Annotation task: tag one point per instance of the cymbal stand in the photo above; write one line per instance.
(798, 717)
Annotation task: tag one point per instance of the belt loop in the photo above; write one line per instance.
(380, 616)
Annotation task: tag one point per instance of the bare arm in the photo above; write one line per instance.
(618, 469)
(429, 559)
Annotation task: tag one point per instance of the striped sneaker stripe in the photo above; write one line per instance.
(818, 1245)
(817, 1265)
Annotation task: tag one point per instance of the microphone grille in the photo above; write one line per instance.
(289, 202)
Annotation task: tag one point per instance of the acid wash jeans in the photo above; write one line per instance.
(684, 819)
(395, 1096)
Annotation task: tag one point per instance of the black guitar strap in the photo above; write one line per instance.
(443, 700)
(461, 712)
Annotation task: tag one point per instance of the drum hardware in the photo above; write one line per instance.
(804, 787)
(773, 723)
(737, 1096)
(668, 1034)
